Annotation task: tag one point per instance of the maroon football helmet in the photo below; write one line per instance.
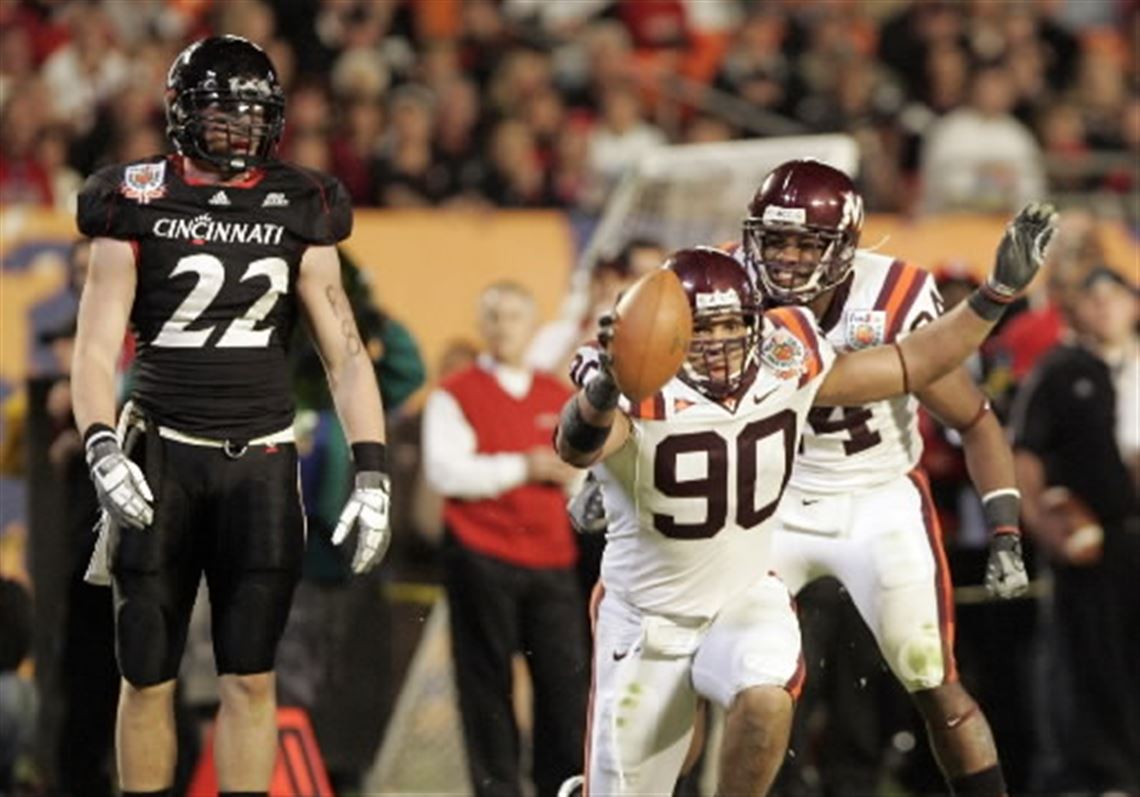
(818, 206)
(719, 291)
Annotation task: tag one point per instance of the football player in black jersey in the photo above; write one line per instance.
(209, 254)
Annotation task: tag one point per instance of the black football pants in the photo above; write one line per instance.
(498, 609)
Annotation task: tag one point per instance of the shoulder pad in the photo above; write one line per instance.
(323, 215)
(108, 203)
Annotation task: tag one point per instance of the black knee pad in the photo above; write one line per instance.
(142, 642)
(249, 621)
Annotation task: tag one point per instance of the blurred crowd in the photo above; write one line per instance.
(522, 103)
(955, 104)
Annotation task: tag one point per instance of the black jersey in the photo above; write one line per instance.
(215, 302)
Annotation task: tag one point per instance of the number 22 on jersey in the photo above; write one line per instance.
(240, 332)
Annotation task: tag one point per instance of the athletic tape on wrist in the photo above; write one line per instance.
(580, 434)
(95, 432)
(602, 391)
(986, 305)
(371, 455)
(1002, 511)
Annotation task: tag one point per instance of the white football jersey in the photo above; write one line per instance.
(850, 448)
(691, 495)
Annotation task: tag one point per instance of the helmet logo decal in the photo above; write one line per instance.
(774, 213)
(144, 182)
(784, 354)
(852, 211)
(717, 300)
(865, 328)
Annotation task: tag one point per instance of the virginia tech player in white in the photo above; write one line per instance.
(692, 478)
(856, 507)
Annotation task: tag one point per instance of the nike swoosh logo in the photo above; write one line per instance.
(810, 501)
(757, 399)
(620, 656)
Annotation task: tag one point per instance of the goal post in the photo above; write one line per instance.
(692, 194)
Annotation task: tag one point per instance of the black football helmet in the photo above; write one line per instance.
(820, 205)
(718, 289)
(224, 103)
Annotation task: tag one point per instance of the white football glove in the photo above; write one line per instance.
(119, 483)
(368, 508)
(1005, 569)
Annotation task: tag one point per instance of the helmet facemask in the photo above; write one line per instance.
(825, 258)
(718, 364)
(226, 129)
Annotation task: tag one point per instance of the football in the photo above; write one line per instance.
(1084, 536)
(652, 329)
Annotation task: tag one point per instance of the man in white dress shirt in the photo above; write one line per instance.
(509, 551)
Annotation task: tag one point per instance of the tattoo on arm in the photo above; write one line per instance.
(343, 313)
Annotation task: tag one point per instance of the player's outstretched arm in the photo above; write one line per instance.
(959, 404)
(352, 383)
(591, 426)
(937, 348)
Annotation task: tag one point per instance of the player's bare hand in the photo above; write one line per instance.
(367, 509)
(119, 483)
(545, 466)
(1005, 570)
(1022, 250)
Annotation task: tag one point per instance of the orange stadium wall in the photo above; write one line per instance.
(428, 267)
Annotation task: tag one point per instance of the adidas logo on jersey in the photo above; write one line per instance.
(219, 198)
(275, 199)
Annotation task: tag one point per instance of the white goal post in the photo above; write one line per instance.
(692, 194)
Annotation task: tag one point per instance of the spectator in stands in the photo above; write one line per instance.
(1067, 425)
(754, 68)
(622, 136)
(571, 179)
(509, 552)
(1061, 129)
(1101, 94)
(907, 37)
(980, 157)
(356, 146)
(407, 173)
(51, 153)
(459, 138)
(516, 177)
(17, 64)
(947, 73)
(23, 179)
(87, 70)
(521, 76)
(608, 56)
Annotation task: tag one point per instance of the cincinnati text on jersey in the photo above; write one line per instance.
(203, 228)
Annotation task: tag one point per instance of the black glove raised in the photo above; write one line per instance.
(1018, 259)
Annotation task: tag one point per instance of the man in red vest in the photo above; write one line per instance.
(509, 552)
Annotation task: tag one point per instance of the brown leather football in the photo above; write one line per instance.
(652, 329)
